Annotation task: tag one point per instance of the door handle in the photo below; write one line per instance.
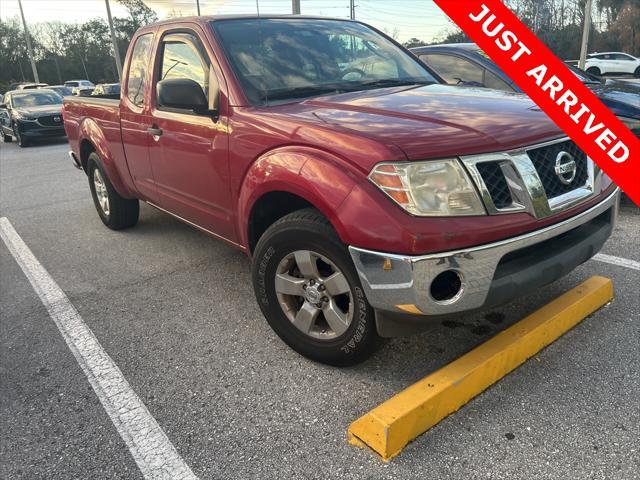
(155, 131)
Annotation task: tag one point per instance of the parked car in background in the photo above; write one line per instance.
(78, 83)
(82, 91)
(612, 63)
(467, 64)
(107, 89)
(372, 201)
(28, 86)
(31, 115)
(60, 89)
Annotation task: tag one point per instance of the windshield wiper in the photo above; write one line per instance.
(342, 87)
(299, 92)
(387, 82)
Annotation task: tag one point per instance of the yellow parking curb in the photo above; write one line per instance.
(390, 426)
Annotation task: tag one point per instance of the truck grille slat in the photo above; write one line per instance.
(496, 183)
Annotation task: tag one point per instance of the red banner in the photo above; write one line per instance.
(552, 86)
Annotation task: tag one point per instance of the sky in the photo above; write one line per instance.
(409, 18)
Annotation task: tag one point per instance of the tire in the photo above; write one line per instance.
(637, 73)
(309, 234)
(6, 138)
(594, 71)
(116, 212)
(23, 142)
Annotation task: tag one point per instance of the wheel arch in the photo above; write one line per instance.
(92, 139)
(290, 179)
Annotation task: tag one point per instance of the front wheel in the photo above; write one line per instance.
(310, 293)
(115, 211)
(637, 73)
(6, 138)
(23, 142)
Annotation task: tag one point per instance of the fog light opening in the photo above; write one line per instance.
(446, 287)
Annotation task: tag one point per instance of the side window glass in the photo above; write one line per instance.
(182, 57)
(454, 70)
(495, 82)
(140, 59)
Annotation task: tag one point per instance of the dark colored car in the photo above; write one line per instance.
(28, 115)
(467, 64)
(108, 89)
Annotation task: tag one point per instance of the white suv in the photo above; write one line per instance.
(612, 62)
(79, 83)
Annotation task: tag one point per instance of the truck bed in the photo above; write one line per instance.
(98, 118)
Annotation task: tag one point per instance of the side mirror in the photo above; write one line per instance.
(182, 93)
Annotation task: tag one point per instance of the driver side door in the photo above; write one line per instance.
(190, 151)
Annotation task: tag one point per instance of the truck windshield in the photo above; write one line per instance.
(282, 59)
(34, 99)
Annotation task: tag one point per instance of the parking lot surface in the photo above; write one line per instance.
(175, 310)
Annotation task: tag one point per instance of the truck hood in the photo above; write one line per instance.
(432, 121)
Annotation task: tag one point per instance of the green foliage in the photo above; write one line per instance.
(414, 42)
(65, 51)
(558, 23)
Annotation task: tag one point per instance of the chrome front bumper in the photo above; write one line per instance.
(400, 283)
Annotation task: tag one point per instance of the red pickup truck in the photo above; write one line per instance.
(371, 198)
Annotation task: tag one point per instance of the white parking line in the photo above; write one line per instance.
(619, 261)
(154, 453)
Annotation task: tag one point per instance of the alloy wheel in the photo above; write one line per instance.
(101, 191)
(314, 295)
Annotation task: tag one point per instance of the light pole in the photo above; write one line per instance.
(352, 9)
(585, 34)
(29, 48)
(295, 7)
(116, 52)
(198, 6)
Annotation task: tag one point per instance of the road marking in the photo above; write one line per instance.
(390, 426)
(621, 262)
(152, 450)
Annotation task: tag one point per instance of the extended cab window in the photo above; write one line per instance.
(140, 59)
(183, 57)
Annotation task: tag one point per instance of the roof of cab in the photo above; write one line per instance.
(203, 19)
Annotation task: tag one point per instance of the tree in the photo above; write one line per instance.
(414, 42)
(139, 16)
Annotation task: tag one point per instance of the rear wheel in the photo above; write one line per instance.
(310, 293)
(594, 71)
(637, 73)
(115, 211)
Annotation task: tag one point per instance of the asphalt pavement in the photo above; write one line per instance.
(175, 310)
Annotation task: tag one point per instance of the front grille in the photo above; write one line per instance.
(544, 161)
(496, 183)
(50, 121)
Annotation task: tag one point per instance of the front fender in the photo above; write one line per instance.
(112, 161)
(318, 177)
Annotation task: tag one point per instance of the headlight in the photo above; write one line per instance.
(633, 124)
(437, 188)
(22, 116)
